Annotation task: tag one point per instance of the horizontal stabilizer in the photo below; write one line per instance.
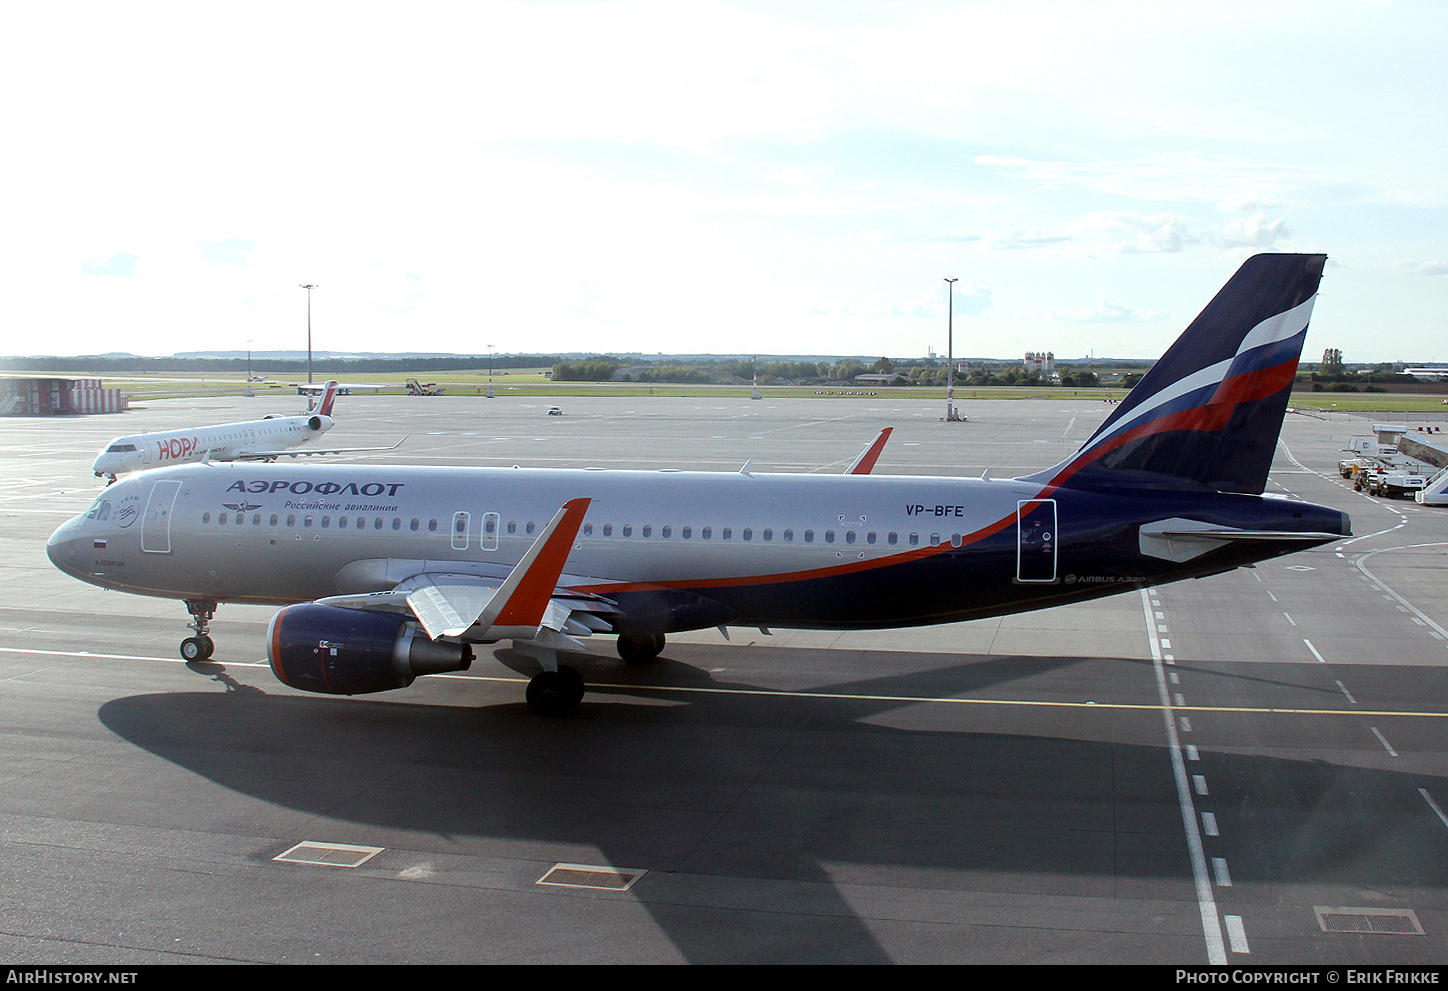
(1179, 539)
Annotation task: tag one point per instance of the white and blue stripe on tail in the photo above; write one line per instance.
(1210, 410)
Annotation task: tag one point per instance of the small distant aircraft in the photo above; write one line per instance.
(253, 440)
(343, 388)
(388, 572)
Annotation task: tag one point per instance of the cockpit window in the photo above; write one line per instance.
(120, 448)
(100, 510)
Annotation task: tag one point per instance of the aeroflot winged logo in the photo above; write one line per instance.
(267, 487)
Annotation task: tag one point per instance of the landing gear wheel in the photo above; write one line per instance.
(196, 648)
(636, 648)
(555, 693)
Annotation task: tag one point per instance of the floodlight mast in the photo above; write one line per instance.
(309, 287)
(950, 348)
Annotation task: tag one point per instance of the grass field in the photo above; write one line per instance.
(532, 382)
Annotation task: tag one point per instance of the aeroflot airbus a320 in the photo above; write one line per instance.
(387, 573)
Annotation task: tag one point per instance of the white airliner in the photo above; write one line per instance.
(253, 440)
(386, 573)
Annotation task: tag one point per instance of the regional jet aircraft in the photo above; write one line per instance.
(387, 573)
(253, 440)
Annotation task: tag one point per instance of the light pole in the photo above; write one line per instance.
(950, 348)
(490, 371)
(248, 367)
(309, 287)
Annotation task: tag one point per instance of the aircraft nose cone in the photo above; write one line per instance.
(60, 548)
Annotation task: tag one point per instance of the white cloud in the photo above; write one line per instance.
(123, 264)
(1255, 231)
(1103, 313)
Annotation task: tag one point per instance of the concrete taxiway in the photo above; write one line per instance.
(1245, 769)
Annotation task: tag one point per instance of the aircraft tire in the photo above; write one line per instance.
(637, 648)
(196, 649)
(555, 693)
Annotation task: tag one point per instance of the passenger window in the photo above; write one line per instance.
(686, 532)
(768, 534)
(273, 520)
(870, 537)
(397, 522)
(915, 540)
(727, 533)
(748, 534)
(306, 521)
(707, 533)
(955, 540)
(221, 518)
(667, 532)
(530, 527)
(809, 536)
(648, 531)
(892, 539)
(935, 540)
(849, 536)
(788, 536)
(341, 523)
(326, 521)
(588, 529)
(628, 529)
(432, 526)
(292, 520)
(829, 536)
(205, 517)
(414, 525)
(608, 529)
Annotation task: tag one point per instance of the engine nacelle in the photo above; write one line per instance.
(320, 648)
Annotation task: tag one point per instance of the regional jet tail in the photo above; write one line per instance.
(392, 572)
(253, 440)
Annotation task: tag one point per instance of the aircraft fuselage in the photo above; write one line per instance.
(675, 549)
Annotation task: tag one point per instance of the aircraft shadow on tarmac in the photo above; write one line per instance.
(788, 798)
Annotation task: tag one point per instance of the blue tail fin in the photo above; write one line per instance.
(1210, 410)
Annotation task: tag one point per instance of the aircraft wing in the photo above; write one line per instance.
(303, 452)
(527, 605)
(865, 463)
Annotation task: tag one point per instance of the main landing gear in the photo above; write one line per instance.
(199, 647)
(636, 648)
(556, 692)
(558, 688)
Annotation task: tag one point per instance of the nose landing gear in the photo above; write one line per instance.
(199, 647)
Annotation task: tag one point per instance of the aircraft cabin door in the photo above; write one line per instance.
(156, 526)
(1036, 540)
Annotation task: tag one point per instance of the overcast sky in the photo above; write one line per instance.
(729, 177)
